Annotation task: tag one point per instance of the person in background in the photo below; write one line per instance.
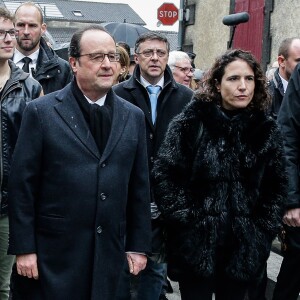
(288, 280)
(192, 56)
(288, 58)
(288, 55)
(197, 79)
(32, 53)
(153, 89)
(16, 90)
(180, 65)
(219, 181)
(131, 65)
(79, 183)
(125, 46)
(122, 65)
(270, 72)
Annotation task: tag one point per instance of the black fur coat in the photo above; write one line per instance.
(228, 191)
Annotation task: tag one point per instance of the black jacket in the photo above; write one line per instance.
(277, 93)
(52, 72)
(171, 102)
(228, 192)
(18, 91)
(288, 119)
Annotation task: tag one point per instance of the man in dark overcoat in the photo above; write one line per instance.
(288, 280)
(151, 56)
(79, 186)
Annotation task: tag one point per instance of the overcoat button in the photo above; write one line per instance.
(99, 229)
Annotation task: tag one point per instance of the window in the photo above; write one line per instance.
(77, 13)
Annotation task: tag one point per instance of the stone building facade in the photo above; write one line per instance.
(206, 36)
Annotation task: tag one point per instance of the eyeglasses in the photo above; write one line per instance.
(185, 70)
(150, 52)
(11, 32)
(99, 57)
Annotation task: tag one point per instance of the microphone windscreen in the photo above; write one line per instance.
(235, 19)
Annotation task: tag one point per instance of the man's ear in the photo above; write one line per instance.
(73, 65)
(281, 61)
(136, 58)
(43, 28)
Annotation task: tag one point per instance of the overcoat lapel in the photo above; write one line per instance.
(141, 103)
(70, 112)
(119, 120)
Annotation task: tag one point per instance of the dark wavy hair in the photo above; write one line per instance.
(261, 98)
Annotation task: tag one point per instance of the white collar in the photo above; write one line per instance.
(18, 56)
(145, 83)
(284, 83)
(99, 102)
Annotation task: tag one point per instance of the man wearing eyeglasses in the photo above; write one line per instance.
(79, 183)
(16, 90)
(152, 75)
(181, 67)
(32, 53)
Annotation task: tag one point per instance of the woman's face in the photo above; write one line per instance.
(119, 71)
(237, 85)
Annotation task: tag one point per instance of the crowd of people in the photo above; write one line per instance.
(120, 171)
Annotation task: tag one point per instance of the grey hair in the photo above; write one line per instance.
(175, 56)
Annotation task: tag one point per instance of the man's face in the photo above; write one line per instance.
(183, 72)
(94, 77)
(288, 65)
(152, 66)
(30, 27)
(8, 43)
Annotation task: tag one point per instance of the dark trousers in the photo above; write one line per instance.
(257, 288)
(203, 288)
(145, 286)
(288, 280)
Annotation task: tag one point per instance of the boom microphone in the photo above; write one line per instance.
(235, 19)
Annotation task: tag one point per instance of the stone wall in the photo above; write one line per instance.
(208, 35)
(285, 22)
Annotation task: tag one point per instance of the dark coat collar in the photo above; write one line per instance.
(215, 119)
(69, 110)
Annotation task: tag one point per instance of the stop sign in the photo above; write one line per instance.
(167, 13)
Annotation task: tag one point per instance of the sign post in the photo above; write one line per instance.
(167, 14)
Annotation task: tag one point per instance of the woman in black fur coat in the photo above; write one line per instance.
(220, 183)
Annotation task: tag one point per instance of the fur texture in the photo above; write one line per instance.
(229, 191)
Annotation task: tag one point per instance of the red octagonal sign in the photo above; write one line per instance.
(167, 13)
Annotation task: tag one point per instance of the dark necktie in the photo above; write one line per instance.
(153, 91)
(27, 61)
